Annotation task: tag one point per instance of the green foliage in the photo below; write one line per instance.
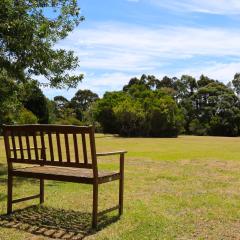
(130, 118)
(164, 108)
(70, 120)
(34, 100)
(103, 111)
(81, 102)
(51, 111)
(16, 99)
(28, 36)
(26, 117)
(63, 112)
(217, 107)
(9, 102)
(236, 83)
(139, 110)
(195, 127)
(165, 119)
(60, 105)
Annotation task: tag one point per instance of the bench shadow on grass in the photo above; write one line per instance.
(54, 223)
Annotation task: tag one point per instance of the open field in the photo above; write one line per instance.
(183, 188)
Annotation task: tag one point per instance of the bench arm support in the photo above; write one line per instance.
(110, 153)
(121, 153)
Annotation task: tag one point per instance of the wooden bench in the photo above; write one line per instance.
(61, 153)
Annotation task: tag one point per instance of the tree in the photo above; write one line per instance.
(61, 104)
(130, 118)
(217, 110)
(144, 81)
(166, 82)
(139, 110)
(204, 81)
(190, 84)
(28, 35)
(104, 113)
(9, 101)
(51, 111)
(27, 117)
(34, 100)
(236, 83)
(82, 101)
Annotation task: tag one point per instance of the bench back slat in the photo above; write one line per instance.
(35, 146)
(14, 145)
(76, 148)
(43, 148)
(84, 147)
(50, 142)
(54, 145)
(67, 147)
(28, 147)
(59, 149)
(20, 145)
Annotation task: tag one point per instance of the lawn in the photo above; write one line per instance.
(183, 188)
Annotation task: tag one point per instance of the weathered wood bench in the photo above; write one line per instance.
(48, 149)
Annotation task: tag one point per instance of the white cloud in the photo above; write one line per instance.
(96, 83)
(223, 7)
(131, 48)
(100, 83)
(220, 71)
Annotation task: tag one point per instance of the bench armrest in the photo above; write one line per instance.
(121, 161)
(110, 153)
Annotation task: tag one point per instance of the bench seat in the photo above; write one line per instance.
(80, 175)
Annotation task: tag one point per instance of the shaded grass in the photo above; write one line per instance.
(184, 188)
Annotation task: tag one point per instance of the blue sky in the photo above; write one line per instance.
(121, 39)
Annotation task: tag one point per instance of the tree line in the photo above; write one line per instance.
(166, 107)
(145, 107)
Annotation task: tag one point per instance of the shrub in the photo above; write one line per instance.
(26, 117)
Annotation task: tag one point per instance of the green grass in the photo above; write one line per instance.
(183, 188)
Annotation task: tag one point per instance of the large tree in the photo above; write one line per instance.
(29, 30)
(35, 101)
(10, 104)
(82, 101)
(236, 83)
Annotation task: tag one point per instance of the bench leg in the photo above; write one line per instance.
(120, 197)
(41, 191)
(121, 184)
(9, 200)
(95, 206)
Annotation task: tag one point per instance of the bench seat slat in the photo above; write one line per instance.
(49, 163)
(61, 173)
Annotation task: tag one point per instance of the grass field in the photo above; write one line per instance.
(183, 188)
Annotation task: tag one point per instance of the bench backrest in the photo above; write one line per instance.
(55, 145)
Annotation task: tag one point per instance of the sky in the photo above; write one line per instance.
(121, 39)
